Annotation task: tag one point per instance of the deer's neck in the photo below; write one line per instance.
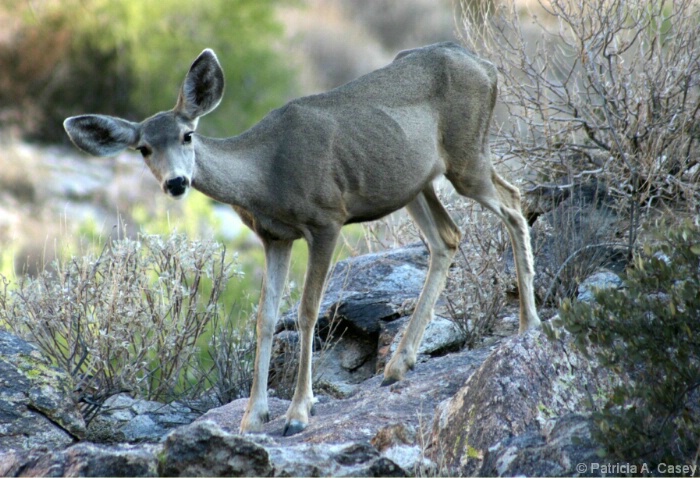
(225, 171)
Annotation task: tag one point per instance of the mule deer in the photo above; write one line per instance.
(355, 153)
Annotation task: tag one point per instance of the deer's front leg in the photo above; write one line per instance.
(277, 256)
(321, 248)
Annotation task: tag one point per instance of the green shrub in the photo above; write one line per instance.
(129, 319)
(646, 333)
(128, 58)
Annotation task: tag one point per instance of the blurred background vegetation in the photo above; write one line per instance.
(127, 58)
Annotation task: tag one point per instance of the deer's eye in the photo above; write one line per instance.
(144, 150)
(187, 137)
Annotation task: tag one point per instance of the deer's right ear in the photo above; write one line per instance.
(101, 135)
(203, 87)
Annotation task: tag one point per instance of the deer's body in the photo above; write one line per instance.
(353, 154)
(356, 142)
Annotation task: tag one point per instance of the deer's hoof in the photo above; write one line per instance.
(292, 427)
(253, 423)
(396, 371)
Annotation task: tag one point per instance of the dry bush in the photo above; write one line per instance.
(477, 284)
(604, 88)
(574, 239)
(228, 365)
(128, 319)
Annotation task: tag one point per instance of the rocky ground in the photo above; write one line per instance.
(514, 405)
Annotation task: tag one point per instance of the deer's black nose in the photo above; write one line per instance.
(177, 186)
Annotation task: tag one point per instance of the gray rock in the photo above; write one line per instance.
(524, 386)
(124, 419)
(440, 334)
(141, 428)
(344, 364)
(565, 450)
(36, 402)
(371, 408)
(204, 449)
(599, 280)
(83, 459)
(334, 459)
(362, 316)
(366, 289)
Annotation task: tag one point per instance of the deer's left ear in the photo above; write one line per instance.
(101, 135)
(203, 87)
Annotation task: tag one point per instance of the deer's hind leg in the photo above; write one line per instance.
(496, 194)
(443, 238)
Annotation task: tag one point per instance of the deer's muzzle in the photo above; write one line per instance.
(176, 187)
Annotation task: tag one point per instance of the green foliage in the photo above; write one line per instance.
(646, 333)
(129, 57)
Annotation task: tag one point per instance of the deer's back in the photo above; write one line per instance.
(395, 128)
(439, 73)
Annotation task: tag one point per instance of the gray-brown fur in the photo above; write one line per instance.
(353, 154)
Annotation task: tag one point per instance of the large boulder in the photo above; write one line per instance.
(514, 408)
(410, 402)
(366, 306)
(37, 407)
(363, 290)
(204, 449)
(521, 390)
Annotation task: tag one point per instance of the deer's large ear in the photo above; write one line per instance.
(203, 87)
(101, 135)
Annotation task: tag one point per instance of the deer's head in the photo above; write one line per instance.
(166, 140)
